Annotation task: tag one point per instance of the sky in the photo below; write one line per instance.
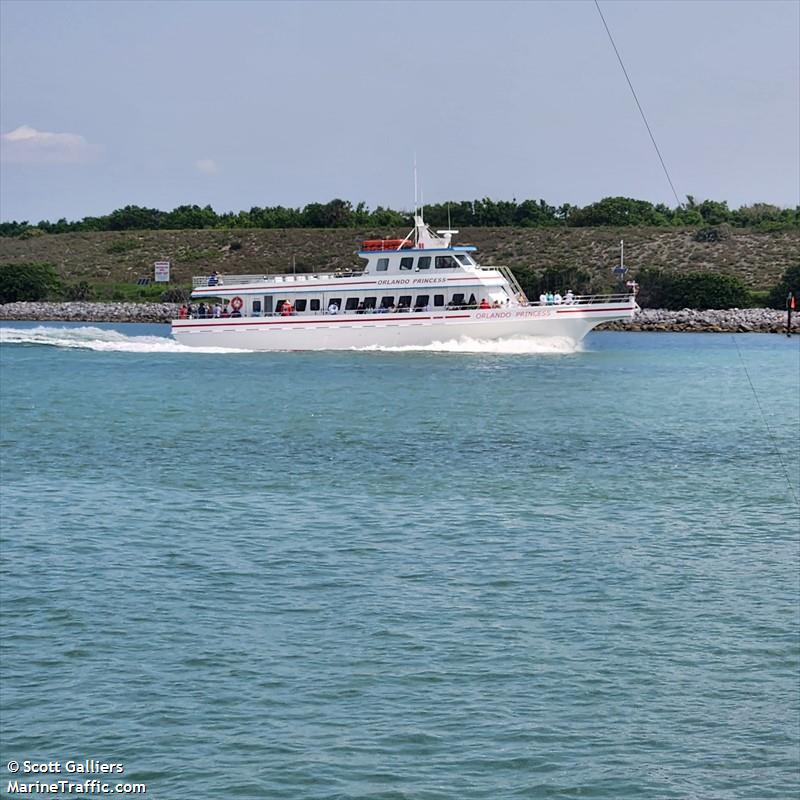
(241, 104)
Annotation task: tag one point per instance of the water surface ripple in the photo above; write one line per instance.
(405, 575)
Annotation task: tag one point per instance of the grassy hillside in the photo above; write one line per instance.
(758, 259)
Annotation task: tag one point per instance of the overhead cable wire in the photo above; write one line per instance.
(638, 104)
(767, 425)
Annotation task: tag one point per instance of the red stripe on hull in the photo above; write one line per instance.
(372, 318)
(583, 310)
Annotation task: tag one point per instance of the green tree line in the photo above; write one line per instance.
(616, 211)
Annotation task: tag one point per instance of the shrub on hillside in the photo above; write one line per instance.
(708, 290)
(175, 295)
(654, 285)
(716, 233)
(789, 282)
(27, 282)
(79, 291)
(31, 233)
(699, 290)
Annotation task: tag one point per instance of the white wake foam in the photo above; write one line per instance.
(101, 339)
(513, 345)
(109, 340)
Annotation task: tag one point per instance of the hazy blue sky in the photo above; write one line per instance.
(264, 103)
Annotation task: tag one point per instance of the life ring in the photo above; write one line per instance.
(236, 303)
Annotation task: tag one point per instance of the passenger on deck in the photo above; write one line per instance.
(213, 278)
(333, 308)
(360, 309)
(550, 298)
(484, 303)
(226, 312)
(217, 310)
(557, 299)
(496, 304)
(201, 311)
(542, 299)
(287, 309)
(183, 311)
(569, 298)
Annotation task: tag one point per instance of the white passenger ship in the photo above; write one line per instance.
(411, 292)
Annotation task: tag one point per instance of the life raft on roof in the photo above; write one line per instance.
(373, 245)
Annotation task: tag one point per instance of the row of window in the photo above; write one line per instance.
(424, 262)
(421, 301)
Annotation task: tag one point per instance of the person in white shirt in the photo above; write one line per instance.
(542, 299)
(333, 308)
(569, 298)
(558, 299)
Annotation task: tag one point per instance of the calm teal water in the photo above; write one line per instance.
(403, 575)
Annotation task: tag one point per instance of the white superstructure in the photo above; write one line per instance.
(411, 292)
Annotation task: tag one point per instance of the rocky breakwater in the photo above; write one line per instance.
(734, 320)
(90, 312)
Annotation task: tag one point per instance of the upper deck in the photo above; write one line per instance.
(423, 257)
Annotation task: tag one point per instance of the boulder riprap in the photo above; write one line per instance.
(90, 312)
(734, 320)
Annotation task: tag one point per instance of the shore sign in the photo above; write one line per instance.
(162, 271)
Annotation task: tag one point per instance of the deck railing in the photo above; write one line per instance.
(291, 278)
(577, 300)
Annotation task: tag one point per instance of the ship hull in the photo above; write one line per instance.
(414, 329)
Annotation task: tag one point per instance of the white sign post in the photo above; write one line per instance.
(162, 271)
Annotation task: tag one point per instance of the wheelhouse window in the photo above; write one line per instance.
(422, 302)
(351, 304)
(406, 263)
(438, 300)
(446, 262)
(383, 264)
(465, 260)
(424, 262)
(315, 305)
(300, 305)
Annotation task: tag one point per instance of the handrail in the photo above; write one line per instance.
(284, 277)
(589, 299)
(513, 282)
